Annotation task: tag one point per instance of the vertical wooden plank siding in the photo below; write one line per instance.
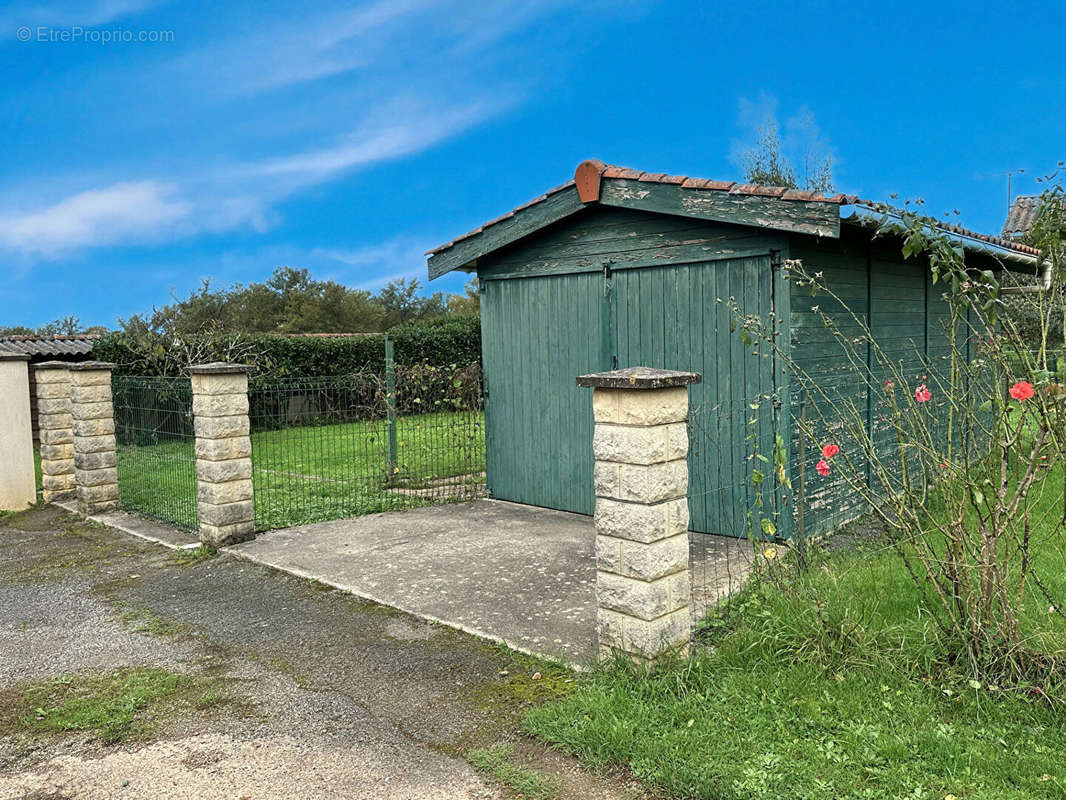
(781, 382)
(829, 501)
(538, 422)
(902, 311)
(670, 317)
(645, 289)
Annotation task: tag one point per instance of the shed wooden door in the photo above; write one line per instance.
(539, 333)
(671, 317)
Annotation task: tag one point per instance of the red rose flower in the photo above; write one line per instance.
(822, 467)
(829, 450)
(1022, 391)
(922, 394)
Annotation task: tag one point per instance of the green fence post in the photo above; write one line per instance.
(390, 404)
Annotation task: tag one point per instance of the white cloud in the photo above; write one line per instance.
(215, 200)
(424, 78)
(326, 45)
(96, 13)
(404, 126)
(120, 213)
(372, 266)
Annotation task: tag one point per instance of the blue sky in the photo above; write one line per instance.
(348, 138)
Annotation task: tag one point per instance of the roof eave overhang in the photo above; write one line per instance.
(870, 218)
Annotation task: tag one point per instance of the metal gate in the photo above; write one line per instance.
(540, 332)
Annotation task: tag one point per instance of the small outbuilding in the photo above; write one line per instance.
(47, 348)
(620, 268)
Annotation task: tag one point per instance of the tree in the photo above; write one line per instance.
(64, 326)
(401, 302)
(469, 302)
(15, 330)
(765, 163)
(291, 300)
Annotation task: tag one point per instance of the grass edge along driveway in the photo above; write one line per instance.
(835, 690)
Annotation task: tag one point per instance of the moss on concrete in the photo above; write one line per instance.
(119, 706)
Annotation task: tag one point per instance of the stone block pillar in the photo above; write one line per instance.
(641, 481)
(18, 485)
(223, 453)
(93, 422)
(56, 430)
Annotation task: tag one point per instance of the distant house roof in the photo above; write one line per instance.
(49, 345)
(585, 188)
(324, 335)
(1022, 216)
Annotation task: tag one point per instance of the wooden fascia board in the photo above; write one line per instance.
(797, 216)
(524, 222)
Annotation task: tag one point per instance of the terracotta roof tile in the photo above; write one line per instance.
(779, 192)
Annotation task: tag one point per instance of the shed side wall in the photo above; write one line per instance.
(907, 317)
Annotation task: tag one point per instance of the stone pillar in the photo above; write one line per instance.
(52, 379)
(641, 481)
(93, 423)
(18, 485)
(223, 453)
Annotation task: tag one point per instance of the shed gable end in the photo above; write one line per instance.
(618, 238)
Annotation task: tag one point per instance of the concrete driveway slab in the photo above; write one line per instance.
(516, 574)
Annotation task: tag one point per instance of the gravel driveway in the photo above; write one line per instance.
(321, 695)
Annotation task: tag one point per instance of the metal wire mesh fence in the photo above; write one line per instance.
(727, 445)
(156, 448)
(333, 447)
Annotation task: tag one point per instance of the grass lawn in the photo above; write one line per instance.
(836, 688)
(314, 473)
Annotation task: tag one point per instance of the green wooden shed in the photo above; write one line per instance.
(620, 268)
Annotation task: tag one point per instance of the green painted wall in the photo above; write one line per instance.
(611, 286)
(538, 335)
(551, 311)
(906, 316)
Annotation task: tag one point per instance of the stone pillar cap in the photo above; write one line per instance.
(217, 368)
(639, 378)
(89, 366)
(7, 355)
(54, 364)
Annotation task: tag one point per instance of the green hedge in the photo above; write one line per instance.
(447, 341)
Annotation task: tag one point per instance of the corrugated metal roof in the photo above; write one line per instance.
(48, 345)
(731, 187)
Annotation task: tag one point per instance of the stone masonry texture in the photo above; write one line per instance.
(93, 429)
(641, 481)
(56, 431)
(223, 453)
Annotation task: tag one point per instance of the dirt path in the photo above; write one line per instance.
(299, 692)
